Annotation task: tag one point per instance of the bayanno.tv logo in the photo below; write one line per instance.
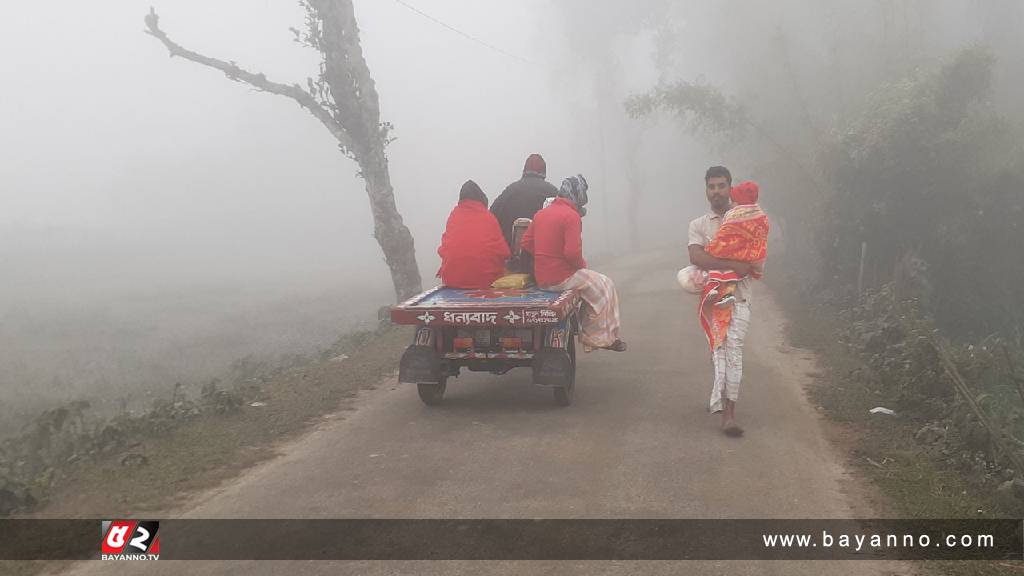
(130, 540)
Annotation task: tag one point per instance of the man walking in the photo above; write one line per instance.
(728, 357)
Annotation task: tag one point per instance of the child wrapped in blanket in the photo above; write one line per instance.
(742, 236)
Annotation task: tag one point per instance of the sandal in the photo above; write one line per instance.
(617, 346)
(733, 431)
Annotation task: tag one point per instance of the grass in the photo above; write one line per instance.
(913, 480)
(211, 448)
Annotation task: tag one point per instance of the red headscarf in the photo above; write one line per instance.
(744, 193)
(535, 164)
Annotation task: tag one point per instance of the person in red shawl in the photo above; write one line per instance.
(742, 237)
(473, 250)
(555, 238)
(744, 232)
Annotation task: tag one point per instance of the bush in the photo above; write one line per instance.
(930, 177)
(897, 342)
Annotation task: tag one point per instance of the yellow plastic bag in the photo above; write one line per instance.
(512, 282)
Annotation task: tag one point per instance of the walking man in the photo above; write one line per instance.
(727, 358)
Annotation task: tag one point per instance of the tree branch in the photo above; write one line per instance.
(707, 108)
(961, 386)
(258, 81)
(344, 68)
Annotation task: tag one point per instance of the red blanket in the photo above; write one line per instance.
(743, 236)
(473, 250)
(713, 319)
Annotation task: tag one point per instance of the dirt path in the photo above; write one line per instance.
(637, 443)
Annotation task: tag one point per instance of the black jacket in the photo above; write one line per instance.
(521, 199)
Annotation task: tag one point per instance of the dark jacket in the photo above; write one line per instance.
(521, 199)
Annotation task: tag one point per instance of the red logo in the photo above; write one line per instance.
(130, 540)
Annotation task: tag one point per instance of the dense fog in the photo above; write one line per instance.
(160, 222)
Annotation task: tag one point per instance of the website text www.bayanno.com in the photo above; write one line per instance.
(518, 539)
(878, 542)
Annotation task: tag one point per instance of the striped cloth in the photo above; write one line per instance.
(715, 320)
(599, 322)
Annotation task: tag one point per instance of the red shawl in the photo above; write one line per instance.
(473, 250)
(743, 236)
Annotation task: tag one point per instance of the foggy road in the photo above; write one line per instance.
(637, 443)
(231, 191)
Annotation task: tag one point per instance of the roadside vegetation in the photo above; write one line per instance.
(897, 207)
(73, 462)
(914, 301)
(922, 215)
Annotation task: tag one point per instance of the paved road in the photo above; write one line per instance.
(637, 443)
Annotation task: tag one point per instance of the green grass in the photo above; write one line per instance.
(211, 448)
(914, 481)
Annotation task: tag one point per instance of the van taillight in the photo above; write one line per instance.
(511, 343)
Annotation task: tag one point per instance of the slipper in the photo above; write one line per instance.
(617, 346)
(733, 431)
(726, 301)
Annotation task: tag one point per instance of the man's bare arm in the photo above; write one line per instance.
(701, 259)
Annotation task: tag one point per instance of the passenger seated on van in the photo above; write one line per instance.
(555, 238)
(473, 250)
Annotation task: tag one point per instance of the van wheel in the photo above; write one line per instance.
(564, 394)
(431, 394)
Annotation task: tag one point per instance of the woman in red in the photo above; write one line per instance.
(555, 238)
(473, 250)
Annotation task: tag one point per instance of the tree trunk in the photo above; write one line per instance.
(344, 99)
(634, 183)
(633, 191)
(391, 233)
(357, 108)
(632, 209)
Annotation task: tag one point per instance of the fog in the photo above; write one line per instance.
(126, 169)
(156, 215)
(160, 221)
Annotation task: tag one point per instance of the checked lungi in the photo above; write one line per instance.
(599, 319)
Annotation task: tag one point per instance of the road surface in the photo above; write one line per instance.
(637, 443)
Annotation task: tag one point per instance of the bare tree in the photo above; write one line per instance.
(634, 182)
(343, 97)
